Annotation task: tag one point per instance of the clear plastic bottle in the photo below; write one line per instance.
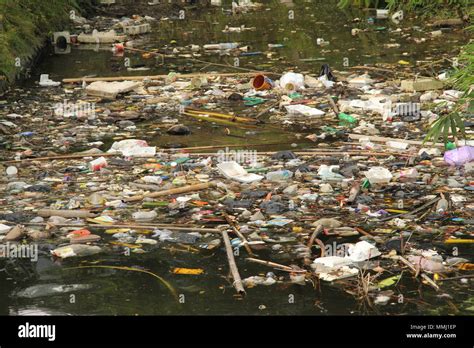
(144, 215)
(279, 175)
(442, 206)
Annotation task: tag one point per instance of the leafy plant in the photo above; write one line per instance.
(463, 79)
(446, 125)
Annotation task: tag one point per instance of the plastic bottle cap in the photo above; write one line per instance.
(12, 170)
(450, 146)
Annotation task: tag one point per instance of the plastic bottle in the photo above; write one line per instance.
(144, 215)
(442, 206)
(347, 119)
(275, 45)
(279, 175)
(76, 250)
(292, 82)
(156, 180)
(222, 46)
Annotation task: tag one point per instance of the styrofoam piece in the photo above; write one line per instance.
(303, 110)
(232, 170)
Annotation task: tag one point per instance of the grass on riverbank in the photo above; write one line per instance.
(24, 27)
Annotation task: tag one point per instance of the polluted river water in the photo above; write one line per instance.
(50, 286)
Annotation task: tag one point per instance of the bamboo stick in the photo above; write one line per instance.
(333, 106)
(171, 227)
(218, 120)
(153, 77)
(316, 232)
(232, 265)
(66, 213)
(228, 66)
(219, 115)
(267, 109)
(52, 158)
(423, 275)
(413, 212)
(179, 190)
(300, 153)
(456, 278)
(210, 147)
(385, 139)
(148, 187)
(239, 234)
(278, 266)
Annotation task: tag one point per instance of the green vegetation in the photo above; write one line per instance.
(425, 8)
(24, 27)
(451, 123)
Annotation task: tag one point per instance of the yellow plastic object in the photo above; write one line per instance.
(458, 241)
(188, 271)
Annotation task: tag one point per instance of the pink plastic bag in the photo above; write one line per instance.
(460, 156)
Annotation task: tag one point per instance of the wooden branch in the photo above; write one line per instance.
(316, 232)
(154, 77)
(66, 213)
(245, 242)
(232, 265)
(278, 266)
(62, 157)
(232, 118)
(385, 139)
(415, 271)
(171, 227)
(175, 191)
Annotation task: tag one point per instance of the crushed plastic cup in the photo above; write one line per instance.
(362, 251)
(397, 17)
(98, 164)
(199, 82)
(45, 81)
(297, 278)
(119, 47)
(379, 175)
(327, 173)
(410, 173)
